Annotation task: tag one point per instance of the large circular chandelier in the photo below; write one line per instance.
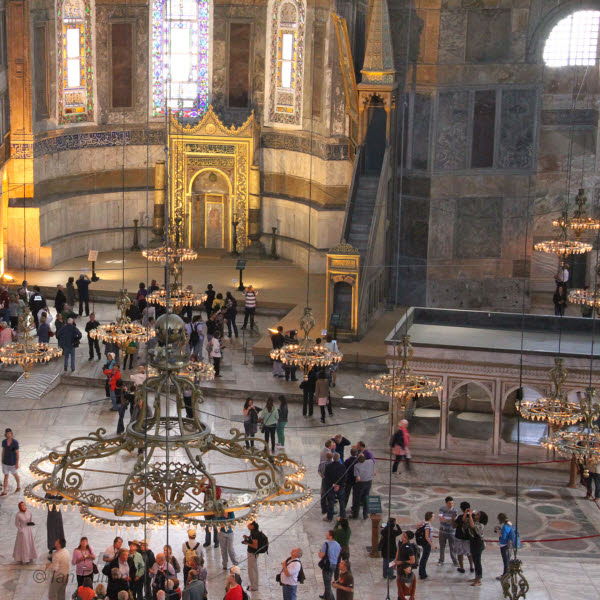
(587, 297)
(584, 443)
(26, 352)
(401, 384)
(179, 461)
(306, 354)
(563, 247)
(556, 409)
(168, 252)
(195, 370)
(178, 298)
(123, 331)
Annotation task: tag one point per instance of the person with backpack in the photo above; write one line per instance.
(190, 549)
(462, 538)
(291, 574)
(257, 543)
(424, 538)
(507, 538)
(387, 546)
(329, 556)
(407, 551)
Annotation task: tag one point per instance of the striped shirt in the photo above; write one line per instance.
(250, 299)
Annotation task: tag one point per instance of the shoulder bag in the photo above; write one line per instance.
(324, 563)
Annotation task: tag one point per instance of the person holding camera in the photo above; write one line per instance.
(477, 521)
(252, 542)
(288, 577)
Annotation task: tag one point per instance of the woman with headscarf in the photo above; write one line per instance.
(24, 551)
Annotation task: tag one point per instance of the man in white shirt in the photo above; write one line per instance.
(187, 548)
(289, 574)
(59, 567)
(562, 276)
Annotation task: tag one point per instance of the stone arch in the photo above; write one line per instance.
(473, 406)
(541, 31)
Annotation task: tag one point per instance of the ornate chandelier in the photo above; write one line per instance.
(162, 253)
(179, 462)
(579, 222)
(588, 297)
(123, 331)
(584, 443)
(401, 383)
(26, 352)
(306, 354)
(197, 371)
(556, 409)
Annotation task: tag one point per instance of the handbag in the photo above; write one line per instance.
(30, 523)
(94, 568)
(323, 401)
(324, 563)
(399, 450)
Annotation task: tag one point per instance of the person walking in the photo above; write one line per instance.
(197, 337)
(59, 568)
(328, 555)
(249, 306)
(70, 291)
(400, 446)
(426, 543)
(560, 301)
(83, 291)
(114, 375)
(308, 386)
(43, 331)
(322, 393)
(231, 314)
(462, 538)
(10, 460)
(364, 471)
(68, 340)
(60, 299)
(93, 344)
(253, 544)
(214, 352)
(250, 421)
(344, 584)
(83, 559)
(277, 341)
(334, 484)
(477, 521)
(507, 539)
(446, 516)
(225, 537)
(282, 421)
(24, 550)
(269, 417)
(387, 546)
(288, 576)
(342, 534)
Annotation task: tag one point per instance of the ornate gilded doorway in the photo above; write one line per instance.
(210, 173)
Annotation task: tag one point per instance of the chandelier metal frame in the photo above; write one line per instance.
(26, 352)
(124, 331)
(555, 409)
(172, 471)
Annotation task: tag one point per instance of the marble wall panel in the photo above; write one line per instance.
(488, 36)
(517, 130)
(441, 235)
(478, 228)
(420, 135)
(451, 131)
(453, 37)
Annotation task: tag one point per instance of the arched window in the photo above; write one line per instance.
(180, 56)
(286, 50)
(574, 40)
(75, 66)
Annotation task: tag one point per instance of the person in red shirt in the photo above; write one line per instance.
(233, 588)
(85, 591)
(113, 376)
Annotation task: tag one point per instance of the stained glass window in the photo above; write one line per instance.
(286, 42)
(75, 71)
(180, 56)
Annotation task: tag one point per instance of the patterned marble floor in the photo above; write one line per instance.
(547, 509)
